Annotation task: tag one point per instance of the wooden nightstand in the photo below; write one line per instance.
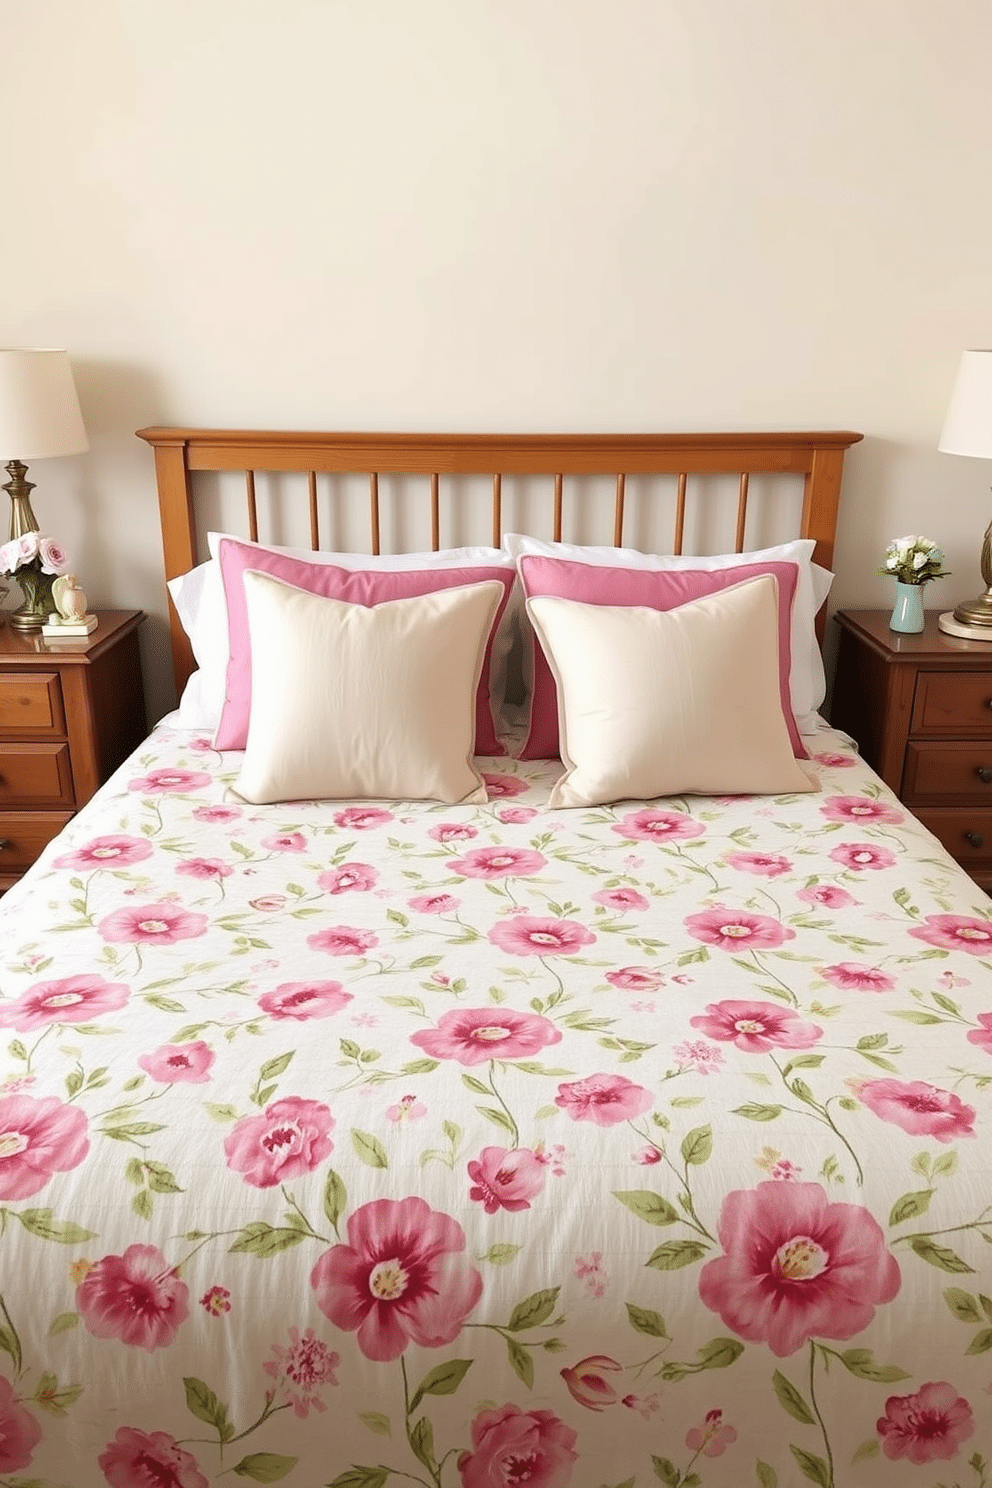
(920, 708)
(70, 713)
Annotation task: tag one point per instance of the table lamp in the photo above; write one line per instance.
(968, 431)
(39, 418)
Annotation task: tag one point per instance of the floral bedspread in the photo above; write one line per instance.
(377, 1143)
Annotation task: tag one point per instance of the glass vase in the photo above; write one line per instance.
(37, 604)
(907, 613)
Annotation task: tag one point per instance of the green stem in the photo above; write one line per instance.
(818, 1414)
(504, 1107)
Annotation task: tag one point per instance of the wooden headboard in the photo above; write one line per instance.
(179, 453)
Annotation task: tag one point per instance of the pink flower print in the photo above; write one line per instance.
(515, 815)
(289, 1139)
(826, 895)
(659, 826)
(498, 862)
(605, 1100)
(343, 940)
(362, 818)
(982, 1037)
(268, 902)
(301, 1369)
(137, 1459)
(204, 868)
(956, 933)
(756, 1027)
(949, 980)
(304, 1000)
(835, 761)
(552, 1157)
(859, 809)
(137, 1298)
(75, 999)
(622, 899)
(926, 1427)
(503, 1179)
(216, 813)
(712, 1438)
(179, 1064)
(107, 852)
(510, 1445)
(737, 930)
(349, 878)
(534, 935)
(434, 904)
(201, 745)
(635, 979)
(407, 1108)
(920, 1109)
(590, 1271)
(294, 842)
(503, 785)
(647, 1156)
(766, 865)
(452, 832)
(19, 1432)
(473, 1035)
(646, 1406)
(698, 1055)
(216, 1300)
(37, 1139)
(401, 1278)
(863, 855)
(797, 1266)
(588, 1383)
(157, 781)
(152, 924)
(852, 976)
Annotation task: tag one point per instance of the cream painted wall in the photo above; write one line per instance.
(496, 214)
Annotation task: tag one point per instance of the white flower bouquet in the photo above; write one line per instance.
(914, 560)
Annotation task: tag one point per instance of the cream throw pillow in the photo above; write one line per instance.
(661, 702)
(351, 701)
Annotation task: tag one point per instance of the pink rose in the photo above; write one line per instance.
(204, 868)
(137, 1298)
(920, 1109)
(498, 862)
(659, 826)
(473, 1035)
(19, 1432)
(835, 761)
(170, 780)
(859, 809)
(285, 842)
(532, 935)
(301, 1369)
(357, 877)
(605, 1100)
(534, 1447)
(152, 924)
(982, 1037)
(401, 1278)
(452, 832)
(766, 865)
(107, 852)
(37, 1139)
(75, 999)
(503, 785)
(303, 1000)
(137, 1459)
(504, 1179)
(289, 1139)
(926, 1427)
(434, 904)
(621, 899)
(53, 556)
(797, 1266)
(737, 930)
(956, 933)
(863, 855)
(217, 813)
(852, 976)
(362, 818)
(343, 940)
(587, 1382)
(179, 1064)
(515, 815)
(268, 902)
(756, 1027)
(635, 979)
(827, 895)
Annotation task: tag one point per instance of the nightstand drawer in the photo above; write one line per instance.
(23, 834)
(956, 769)
(31, 703)
(966, 831)
(35, 775)
(953, 703)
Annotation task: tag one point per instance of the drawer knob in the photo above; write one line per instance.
(984, 773)
(974, 839)
(4, 842)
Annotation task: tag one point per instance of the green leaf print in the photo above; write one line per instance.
(444, 1380)
(40, 1222)
(205, 1406)
(790, 1400)
(648, 1206)
(533, 1310)
(265, 1467)
(646, 1320)
(369, 1149)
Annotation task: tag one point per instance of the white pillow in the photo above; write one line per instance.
(662, 702)
(806, 678)
(202, 609)
(353, 701)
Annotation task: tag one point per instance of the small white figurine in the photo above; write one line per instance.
(70, 600)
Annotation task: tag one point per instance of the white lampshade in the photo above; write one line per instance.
(968, 426)
(39, 409)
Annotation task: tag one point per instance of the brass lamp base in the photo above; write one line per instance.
(976, 611)
(22, 518)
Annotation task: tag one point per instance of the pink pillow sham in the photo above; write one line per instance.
(657, 589)
(366, 587)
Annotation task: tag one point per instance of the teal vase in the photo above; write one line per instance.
(907, 614)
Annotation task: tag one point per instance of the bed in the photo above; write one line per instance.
(376, 1139)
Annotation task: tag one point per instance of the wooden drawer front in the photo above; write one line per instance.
(966, 831)
(961, 770)
(953, 703)
(23, 834)
(35, 775)
(31, 703)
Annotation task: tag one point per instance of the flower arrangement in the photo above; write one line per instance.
(35, 561)
(914, 560)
